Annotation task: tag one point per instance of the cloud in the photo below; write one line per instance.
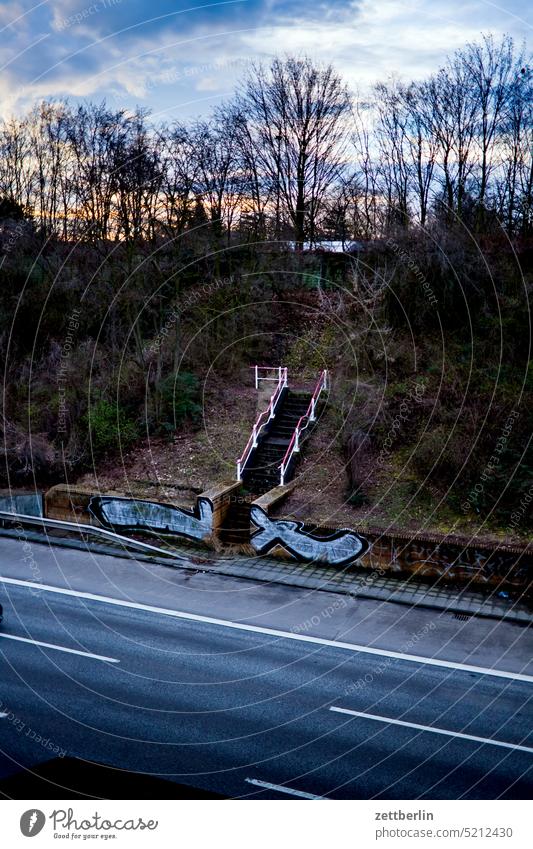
(370, 41)
(138, 51)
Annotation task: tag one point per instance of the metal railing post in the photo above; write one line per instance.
(254, 437)
(256, 378)
(297, 440)
(312, 416)
(282, 477)
(239, 470)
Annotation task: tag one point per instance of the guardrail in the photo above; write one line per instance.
(83, 529)
(262, 419)
(309, 416)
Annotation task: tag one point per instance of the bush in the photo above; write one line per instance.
(109, 427)
(179, 400)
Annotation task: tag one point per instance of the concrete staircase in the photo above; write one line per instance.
(262, 471)
(273, 447)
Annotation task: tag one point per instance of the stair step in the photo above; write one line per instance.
(275, 452)
(263, 471)
(271, 457)
(263, 478)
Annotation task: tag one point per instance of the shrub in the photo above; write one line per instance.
(109, 427)
(179, 400)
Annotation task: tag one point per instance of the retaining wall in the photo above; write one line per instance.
(69, 504)
(459, 560)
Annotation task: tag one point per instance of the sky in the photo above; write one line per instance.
(178, 58)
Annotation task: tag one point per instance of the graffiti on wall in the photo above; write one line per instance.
(338, 549)
(129, 514)
(27, 504)
(452, 562)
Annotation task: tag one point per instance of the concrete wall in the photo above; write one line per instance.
(69, 504)
(204, 523)
(27, 503)
(338, 548)
(221, 497)
(451, 560)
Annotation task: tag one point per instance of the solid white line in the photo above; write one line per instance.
(60, 648)
(3, 715)
(280, 788)
(389, 721)
(272, 632)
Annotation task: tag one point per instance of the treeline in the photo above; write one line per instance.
(294, 155)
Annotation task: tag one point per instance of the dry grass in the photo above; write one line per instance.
(192, 461)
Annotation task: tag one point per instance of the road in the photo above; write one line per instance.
(256, 691)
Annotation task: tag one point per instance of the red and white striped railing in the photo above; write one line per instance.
(262, 419)
(309, 416)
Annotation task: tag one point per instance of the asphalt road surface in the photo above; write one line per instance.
(256, 691)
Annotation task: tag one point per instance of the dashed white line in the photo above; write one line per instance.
(3, 715)
(388, 721)
(281, 788)
(87, 654)
(273, 632)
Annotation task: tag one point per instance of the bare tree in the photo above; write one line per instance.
(95, 133)
(179, 176)
(18, 175)
(257, 189)
(490, 68)
(297, 121)
(218, 182)
(50, 153)
(366, 172)
(279, 161)
(137, 179)
(452, 121)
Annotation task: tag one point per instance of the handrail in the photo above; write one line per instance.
(309, 415)
(262, 419)
(278, 369)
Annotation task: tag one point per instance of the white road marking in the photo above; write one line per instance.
(272, 632)
(60, 648)
(3, 715)
(280, 788)
(388, 721)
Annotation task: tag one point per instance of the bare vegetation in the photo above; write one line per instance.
(140, 260)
